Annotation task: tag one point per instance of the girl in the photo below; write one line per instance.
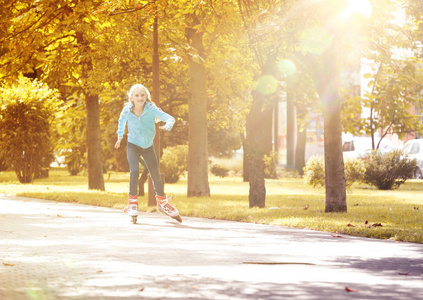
(140, 114)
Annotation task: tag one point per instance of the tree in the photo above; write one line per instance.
(319, 35)
(51, 35)
(207, 26)
(302, 93)
(198, 184)
(27, 113)
(323, 42)
(69, 44)
(258, 127)
(394, 88)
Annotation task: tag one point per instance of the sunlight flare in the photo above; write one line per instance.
(361, 7)
(287, 67)
(267, 84)
(316, 40)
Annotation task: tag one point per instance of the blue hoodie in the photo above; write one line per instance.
(142, 130)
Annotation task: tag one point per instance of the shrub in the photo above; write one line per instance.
(388, 170)
(314, 171)
(71, 130)
(174, 163)
(355, 169)
(270, 165)
(27, 114)
(219, 170)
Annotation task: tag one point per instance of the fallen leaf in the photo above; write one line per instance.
(403, 273)
(376, 225)
(100, 271)
(306, 207)
(141, 289)
(350, 290)
(336, 235)
(350, 225)
(416, 208)
(366, 222)
(8, 265)
(59, 216)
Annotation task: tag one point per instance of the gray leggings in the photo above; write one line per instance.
(149, 155)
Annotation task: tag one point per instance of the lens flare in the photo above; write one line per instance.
(361, 7)
(315, 40)
(267, 84)
(287, 67)
(70, 261)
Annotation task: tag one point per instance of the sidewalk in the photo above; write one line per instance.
(52, 250)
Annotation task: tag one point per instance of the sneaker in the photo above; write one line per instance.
(164, 206)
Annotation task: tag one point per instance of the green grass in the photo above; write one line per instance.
(285, 202)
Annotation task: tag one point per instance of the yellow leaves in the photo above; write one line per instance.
(368, 75)
(148, 59)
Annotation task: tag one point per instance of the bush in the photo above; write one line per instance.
(388, 170)
(314, 171)
(219, 170)
(71, 130)
(270, 165)
(174, 163)
(27, 114)
(355, 169)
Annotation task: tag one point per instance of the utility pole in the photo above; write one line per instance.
(156, 98)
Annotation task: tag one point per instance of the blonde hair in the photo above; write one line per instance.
(135, 87)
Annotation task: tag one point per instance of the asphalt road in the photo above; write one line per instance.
(52, 250)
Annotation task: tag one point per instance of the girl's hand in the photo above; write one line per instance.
(164, 127)
(117, 145)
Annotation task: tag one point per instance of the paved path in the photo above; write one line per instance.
(54, 250)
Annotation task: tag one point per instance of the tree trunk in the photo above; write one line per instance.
(92, 104)
(257, 195)
(334, 161)
(323, 70)
(255, 145)
(94, 164)
(300, 149)
(198, 180)
(328, 88)
(141, 182)
(290, 131)
(267, 140)
(245, 164)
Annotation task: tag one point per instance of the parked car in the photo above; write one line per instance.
(356, 147)
(414, 149)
